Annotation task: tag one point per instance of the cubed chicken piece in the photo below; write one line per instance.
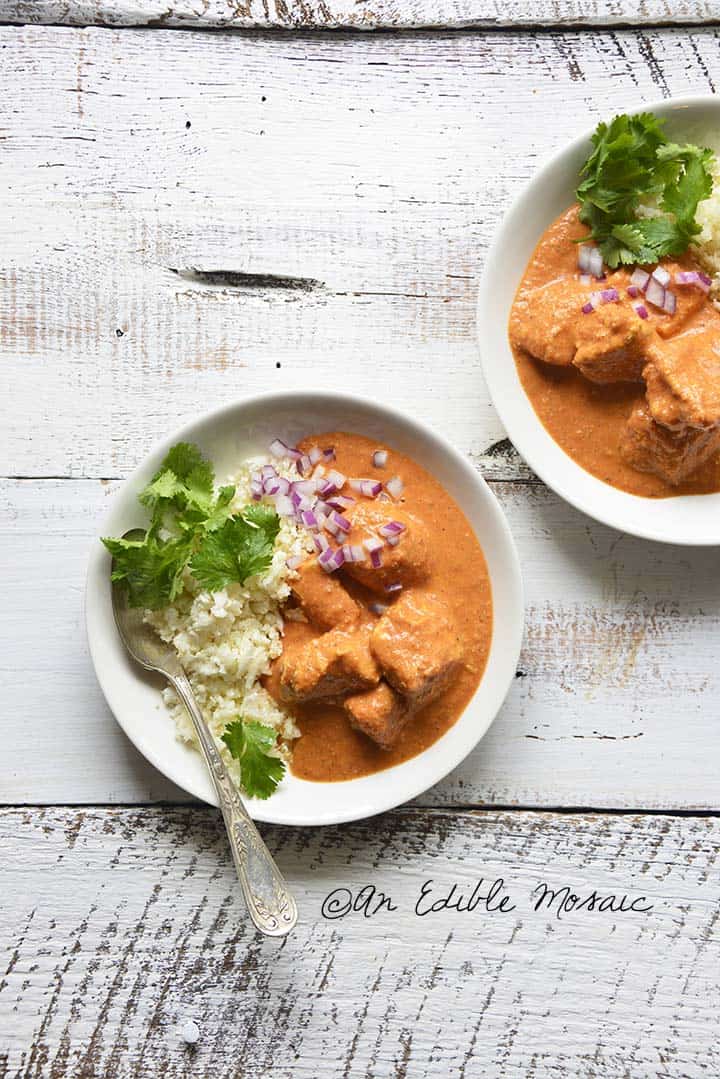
(417, 646)
(330, 666)
(611, 343)
(672, 455)
(407, 563)
(683, 379)
(322, 597)
(543, 320)
(379, 713)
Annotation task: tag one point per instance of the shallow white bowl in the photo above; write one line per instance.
(687, 519)
(228, 436)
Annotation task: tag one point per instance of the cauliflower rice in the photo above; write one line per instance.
(227, 640)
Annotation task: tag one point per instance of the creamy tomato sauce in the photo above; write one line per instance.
(329, 748)
(587, 419)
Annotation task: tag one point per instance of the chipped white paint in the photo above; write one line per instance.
(356, 14)
(118, 924)
(615, 705)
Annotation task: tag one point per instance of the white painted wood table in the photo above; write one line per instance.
(140, 144)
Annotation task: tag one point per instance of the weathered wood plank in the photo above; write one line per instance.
(119, 926)
(615, 704)
(351, 14)
(376, 166)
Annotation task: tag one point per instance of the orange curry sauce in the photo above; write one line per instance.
(585, 418)
(329, 748)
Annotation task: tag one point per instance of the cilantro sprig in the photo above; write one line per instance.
(249, 743)
(191, 526)
(632, 161)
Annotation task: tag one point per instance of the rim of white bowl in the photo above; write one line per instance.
(262, 810)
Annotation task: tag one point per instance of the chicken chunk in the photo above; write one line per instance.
(322, 597)
(543, 320)
(611, 344)
(329, 666)
(672, 455)
(407, 563)
(379, 713)
(417, 646)
(683, 379)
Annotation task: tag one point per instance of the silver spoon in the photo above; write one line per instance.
(269, 901)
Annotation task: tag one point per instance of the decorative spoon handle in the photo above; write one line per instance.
(269, 901)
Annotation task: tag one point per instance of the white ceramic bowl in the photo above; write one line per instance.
(227, 436)
(687, 519)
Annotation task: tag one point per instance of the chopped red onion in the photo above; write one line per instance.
(670, 302)
(366, 487)
(641, 310)
(395, 486)
(353, 552)
(336, 478)
(380, 458)
(639, 278)
(284, 506)
(392, 528)
(694, 277)
(309, 519)
(661, 276)
(330, 559)
(342, 522)
(303, 487)
(329, 453)
(633, 290)
(392, 588)
(315, 455)
(590, 260)
(304, 465)
(372, 544)
(655, 293)
(609, 295)
(321, 542)
(278, 448)
(384, 497)
(392, 541)
(587, 308)
(341, 502)
(376, 559)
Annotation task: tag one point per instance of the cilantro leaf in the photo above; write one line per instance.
(631, 161)
(184, 480)
(151, 568)
(249, 743)
(238, 549)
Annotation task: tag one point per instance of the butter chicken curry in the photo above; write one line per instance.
(389, 628)
(630, 390)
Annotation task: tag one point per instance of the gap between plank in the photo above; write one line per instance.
(452, 810)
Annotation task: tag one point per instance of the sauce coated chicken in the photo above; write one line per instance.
(635, 401)
(381, 660)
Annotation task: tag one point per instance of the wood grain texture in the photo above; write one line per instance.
(356, 14)
(374, 168)
(614, 705)
(118, 926)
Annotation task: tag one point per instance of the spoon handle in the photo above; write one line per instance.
(269, 901)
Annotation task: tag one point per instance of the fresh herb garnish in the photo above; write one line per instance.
(191, 526)
(633, 161)
(249, 743)
(242, 547)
